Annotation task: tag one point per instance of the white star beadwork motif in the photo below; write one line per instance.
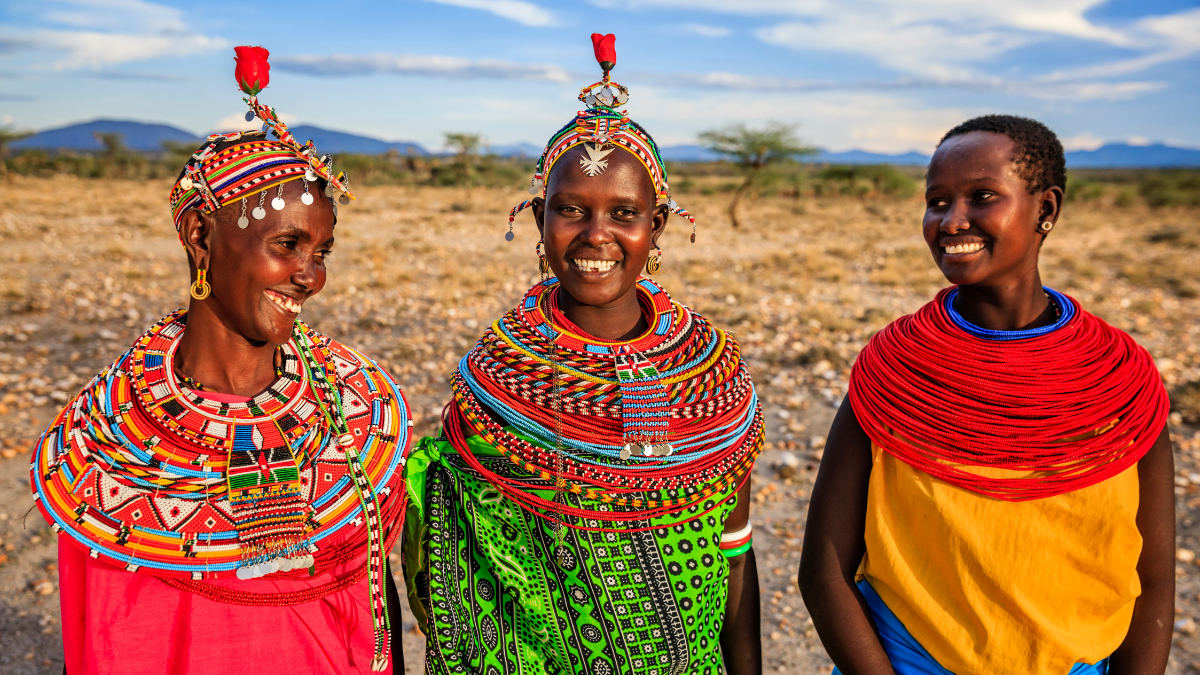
(594, 164)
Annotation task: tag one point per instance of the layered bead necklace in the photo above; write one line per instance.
(672, 411)
(293, 482)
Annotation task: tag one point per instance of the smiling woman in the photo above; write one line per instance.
(996, 492)
(586, 508)
(227, 489)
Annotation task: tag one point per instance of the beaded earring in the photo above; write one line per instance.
(200, 288)
(543, 264)
(653, 263)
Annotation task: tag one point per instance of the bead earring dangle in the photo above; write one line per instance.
(259, 212)
(543, 264)
(200, 288)
(243, 221)
(653, 263)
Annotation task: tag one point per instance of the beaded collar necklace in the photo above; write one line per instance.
(1064, 311)
(566, 418)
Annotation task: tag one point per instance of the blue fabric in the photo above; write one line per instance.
(907, 655)
(1066, 310)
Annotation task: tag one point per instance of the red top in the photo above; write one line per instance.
(115, 621)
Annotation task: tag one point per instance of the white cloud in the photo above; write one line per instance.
(704, 30)
(1139, 140)
(98, 33)
(237, 122)
(951, 39)
(1082, 141)
(79, 49)
(524, 13)
(418, 64)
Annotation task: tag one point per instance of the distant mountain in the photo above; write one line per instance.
(517, 150)
(1120, 155)
(150, 138)
(82, 137)
(864, 157)
(338, 142)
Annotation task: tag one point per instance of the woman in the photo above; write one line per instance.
(996, 492)
(227, 489)
(586, 509)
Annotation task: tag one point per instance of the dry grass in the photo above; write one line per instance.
(86, 265)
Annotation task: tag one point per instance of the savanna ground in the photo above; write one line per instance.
(87, 265)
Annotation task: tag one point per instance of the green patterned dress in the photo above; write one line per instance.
(492, 599)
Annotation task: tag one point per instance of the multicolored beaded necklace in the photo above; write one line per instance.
(566, 407)
(293, 482)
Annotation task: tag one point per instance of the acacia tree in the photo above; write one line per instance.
(752, 150)
(8, 135)
(466, 149)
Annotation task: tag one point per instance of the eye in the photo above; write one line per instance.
(984, 195)
(324, 253)
(937, 202)
(625, 213)
(287, 242)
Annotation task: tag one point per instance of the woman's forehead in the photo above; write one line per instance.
(610, 165)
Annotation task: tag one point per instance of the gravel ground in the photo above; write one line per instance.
(85, 266)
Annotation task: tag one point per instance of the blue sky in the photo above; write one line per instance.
(872, 74)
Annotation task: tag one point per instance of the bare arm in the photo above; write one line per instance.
(834, 547)
(1148, 643)
(741, 638)
(395, 618)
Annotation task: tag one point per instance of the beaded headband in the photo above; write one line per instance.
(600, 125)
(213, 179)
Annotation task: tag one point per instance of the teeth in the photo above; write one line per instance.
(285, 302)
(594, 265)
(964, 248)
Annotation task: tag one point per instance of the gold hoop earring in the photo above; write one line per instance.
(200, 288)
(654, 262)
(1045, 227)
(543, 264)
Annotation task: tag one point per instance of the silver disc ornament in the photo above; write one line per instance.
(259, 213)
(307, 199)
(277, 203)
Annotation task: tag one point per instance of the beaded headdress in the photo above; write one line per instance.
(601, 128)
(212, 179)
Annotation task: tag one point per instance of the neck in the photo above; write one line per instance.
(1019, 306)
(622, 320)
(221, 359)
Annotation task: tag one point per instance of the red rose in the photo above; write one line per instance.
(252, 70)
(606, 50)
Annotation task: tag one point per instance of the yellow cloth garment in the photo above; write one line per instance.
(994, 587)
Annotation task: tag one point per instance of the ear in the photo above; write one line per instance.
(538, 205)
(661, 214)
(1051, 208)
(195, 231)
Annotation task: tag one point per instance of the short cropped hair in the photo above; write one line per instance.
(1036, 150)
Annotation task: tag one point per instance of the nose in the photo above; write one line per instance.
(596, 230)
(955, 220)
(307, 274)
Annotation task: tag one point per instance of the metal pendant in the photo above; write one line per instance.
(307, 199)
(259, 213)
(344, 200)
(249, 115)
(508, 236)
(627, 451)
(244, 222)
(277, 203)
(186, 183)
